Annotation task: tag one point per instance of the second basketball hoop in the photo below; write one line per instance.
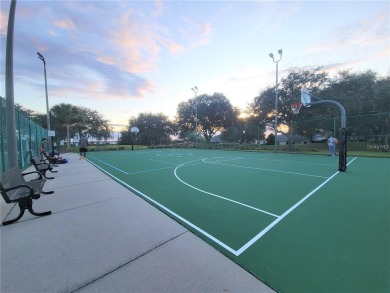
(295, 107)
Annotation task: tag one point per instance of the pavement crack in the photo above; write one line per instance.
(128, 262)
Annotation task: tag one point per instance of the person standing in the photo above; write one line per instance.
(332, 141)
(83, 143)
(42, 148)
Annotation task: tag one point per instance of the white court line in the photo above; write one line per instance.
(130, 173)
(150, 170)
(270, 226)
(163, 162)
(216, 195)
(228, 248)
(120, 170)
(257, 158)
(264, 169)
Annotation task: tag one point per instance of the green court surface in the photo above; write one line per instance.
(293, 221)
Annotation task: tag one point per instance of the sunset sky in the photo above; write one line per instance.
(122, 58)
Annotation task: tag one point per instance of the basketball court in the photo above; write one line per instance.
(294, 221)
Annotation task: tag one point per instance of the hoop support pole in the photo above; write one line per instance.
(342, 133)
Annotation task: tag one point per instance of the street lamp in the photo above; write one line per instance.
(47, 104)
(195, 89)
(276, 96)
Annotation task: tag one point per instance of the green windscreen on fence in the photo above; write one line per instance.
(28, 136)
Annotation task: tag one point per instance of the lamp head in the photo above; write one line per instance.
(280, 51)
(40, 56)
(271, 55)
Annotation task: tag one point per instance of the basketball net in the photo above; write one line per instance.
(295, 107)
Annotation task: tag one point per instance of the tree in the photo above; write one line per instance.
(29, 113)
(214, 113)
(154, 129)
(40, 119)
(381, 91)
(64, 116)
(69, 120)
(92, 124)
(262, 109)
(360, 93)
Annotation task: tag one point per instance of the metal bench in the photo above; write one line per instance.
(47, 158)
(14, 188)
(42, 167)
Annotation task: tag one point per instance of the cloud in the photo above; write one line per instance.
(158, 8)
(363, 32)
(135, 43)
(93, 59)
(66, 24)
(195, 33)
(3, 23)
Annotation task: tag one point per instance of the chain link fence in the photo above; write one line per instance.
(28, 135)
(368, 132)
(365, 134)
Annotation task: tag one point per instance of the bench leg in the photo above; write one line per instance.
(23, 205)
(44, 175)
(47, 192)
(43, 172)
(30, 209)
(16, 219)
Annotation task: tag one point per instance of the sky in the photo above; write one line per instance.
(123, 58)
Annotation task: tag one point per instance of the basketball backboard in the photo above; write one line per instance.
(134, 130)
(305, 97)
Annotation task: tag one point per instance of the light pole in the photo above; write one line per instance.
(9, 92)
(276, 96)
(195, 89)
(47, 104)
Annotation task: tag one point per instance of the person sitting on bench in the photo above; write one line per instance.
(42, 148)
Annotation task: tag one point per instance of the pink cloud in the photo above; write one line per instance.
(65, 24)
(3, 23)
(365, 32)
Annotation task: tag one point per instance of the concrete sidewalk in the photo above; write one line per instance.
(103, 238)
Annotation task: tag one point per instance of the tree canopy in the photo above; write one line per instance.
(361, 93)
(153, 129)
(69, 121)
(214, 114)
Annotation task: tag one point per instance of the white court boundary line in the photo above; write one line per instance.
(216, 195)
(222, 244)
(264, 169)
(228, 248)
(129, 173)
(270, 226)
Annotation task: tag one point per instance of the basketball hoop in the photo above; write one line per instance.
(295, 107)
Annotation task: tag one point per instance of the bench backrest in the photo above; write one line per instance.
(40, 165)
(13, 178)
(36, 161)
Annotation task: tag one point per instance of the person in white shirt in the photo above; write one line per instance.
(332, 141)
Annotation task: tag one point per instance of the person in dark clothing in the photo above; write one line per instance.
(83, 146)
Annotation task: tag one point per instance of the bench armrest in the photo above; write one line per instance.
(34, 172)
